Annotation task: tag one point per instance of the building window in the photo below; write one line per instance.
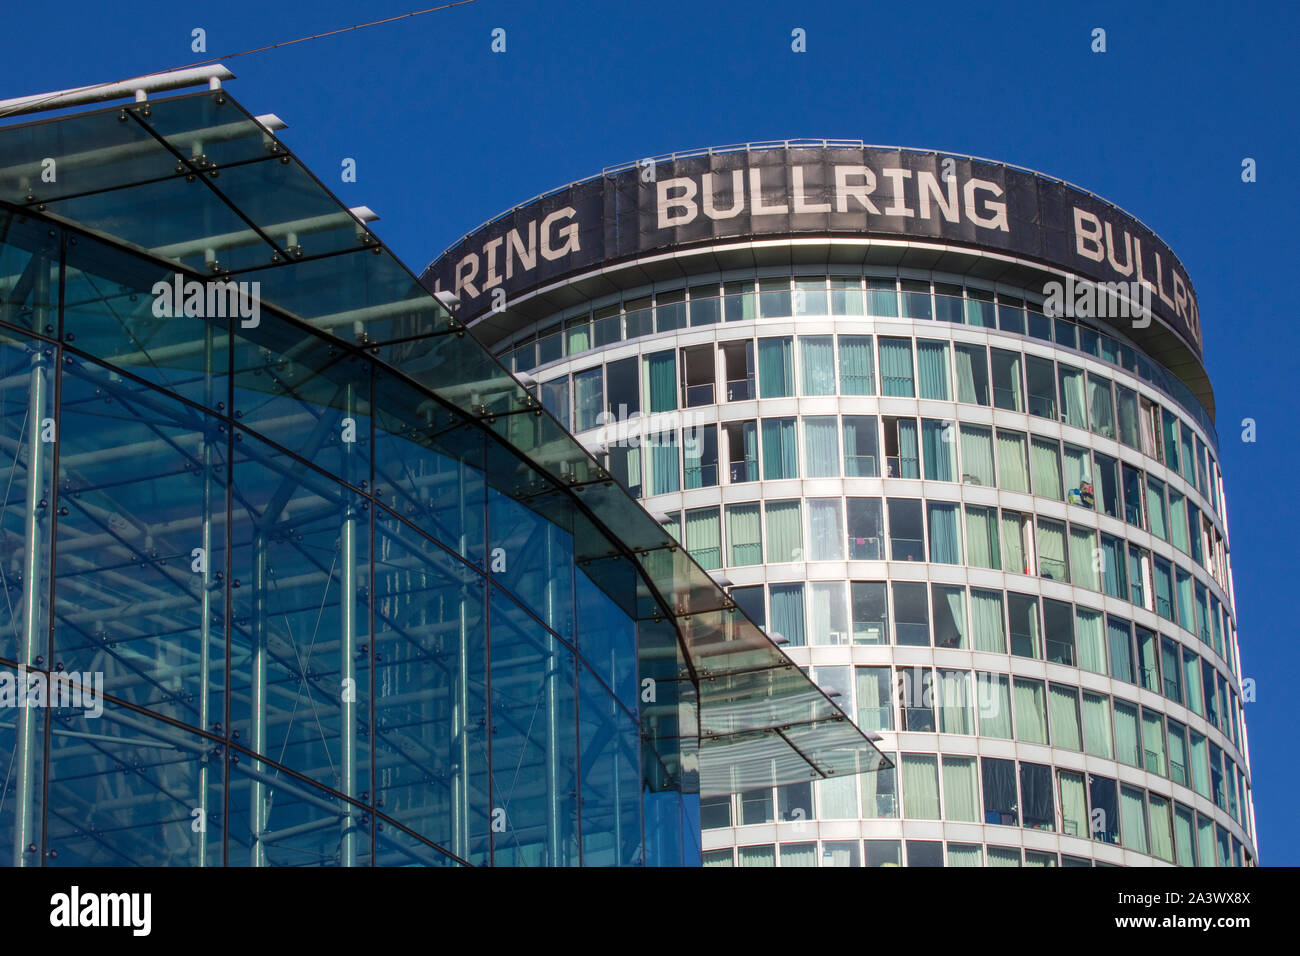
(738, 363)
(982, 548)
(902, 458)
(1000, 798)
(661, 382)
(704, 537)
(988, 627)
(742, 451)
(825, 529)
(706, 307)
(1013, 463)
(864, 526)
(896, 368)
(875, 709)
(906, 530)
(916, 693)
(698, 374)
(856, 365)
(972, 374)
(744, 535)
(1008, 387)
(1040, 374)
(993, 699)
(700, 448)
(911, 613)
(1037, 799)
(870, 612)
(932, 370)
(1045, 466)
(821, 446)
(920, 787)
(948, 604)
(780, 449)
(860, 447)
(1031, 710)
(784, 532)
(776, 367)
(817, 364)
(786, 604)
(977, 455)
(939, 447)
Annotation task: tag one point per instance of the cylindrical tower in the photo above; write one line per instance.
(942, 427)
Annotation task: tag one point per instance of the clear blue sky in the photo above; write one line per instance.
(447, 134)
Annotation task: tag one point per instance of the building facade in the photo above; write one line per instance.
(942, 427)
(297, 573)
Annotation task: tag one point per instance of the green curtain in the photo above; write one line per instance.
(1205, 840)
(1096, 725)
(776, 367)
(744, 537)
(1051, 550)
(1185, 835)
(966, 356)
(661, 379)
(1013, 550)
(982, 549)
(1045, 463)
(1119, 635)
(784, 532)
(1156, 508)
(932, 370)
(1073, 409)
(1064, 711)
(954, 702)
(965, 854)
(1153, 742)
(787, 613)
(1133, 823)
(977, 455)
(945, 539)
(1192, 682)
(1128, 416)
(1128, 748)
(1031, 711)
(1101, 407)
(1200, 766)
(703, 537)
(936, 443)
(817, 365)
(960, 790)
(780, 451)
(987, 626)
(1092, 643)
(664, 462)
(909, 461)
(1013, 471)
(1074, 805)
(875, 711)
(896, 367)
(1083, 558)
(1178, 522)
(920, 787)
(758, 856)
(1113, 578)
(820, 449)
(993, 699)
(1004, 856)
(856, 365)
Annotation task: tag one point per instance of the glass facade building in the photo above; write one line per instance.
(996, 535)
(298, 574)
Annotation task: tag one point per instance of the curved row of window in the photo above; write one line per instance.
(988, 790)
(1224, 851)
(881, 297)
(639, 388)
(781, 531)
(914, 614)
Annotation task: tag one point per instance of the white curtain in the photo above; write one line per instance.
(1013, 551)
(1084, 570)
(1162, 840)
(821, 447)
(1091, 639)
(825, 529)
(954, 702)
(1074, 808)
(744, 537)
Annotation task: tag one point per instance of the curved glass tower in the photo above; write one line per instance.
(941, 426)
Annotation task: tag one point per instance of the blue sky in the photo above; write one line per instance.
(446, 134)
